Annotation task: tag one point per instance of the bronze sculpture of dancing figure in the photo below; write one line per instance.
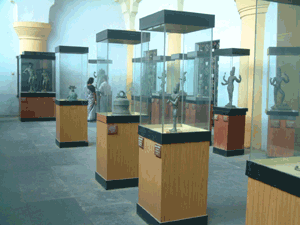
(175, 100)
(45, 81)
(276, 82)
(230, 86)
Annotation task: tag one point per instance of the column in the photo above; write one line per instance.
(247, 11)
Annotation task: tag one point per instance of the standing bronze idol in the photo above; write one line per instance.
(174, 99)
(230, 86)
(276, 82)
(46, 80)
(32, 77)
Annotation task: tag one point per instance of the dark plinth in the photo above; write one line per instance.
(231, 52)
(229, 131)
(198, 54)
(161, 58)
(37, 119)
(179, 56)
(39, 94)
(118, 119)
(116, 184)
(71, 49)
(228, 153)
(171, 138)
(230, 111)
(275, 178)
(122, 36)
(100, 61)
(148, 218)
(68, 103)
(177, 21)
(71, 144)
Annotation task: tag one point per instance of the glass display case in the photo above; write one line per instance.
(115, 83)
(36, 85)
(187, 38)
(71, 73)
(170, 138)
(230, 102)
(274, 152)
(71, 96)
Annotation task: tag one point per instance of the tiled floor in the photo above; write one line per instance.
(43, 184)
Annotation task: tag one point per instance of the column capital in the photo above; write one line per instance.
(248, 7)
(129, 9)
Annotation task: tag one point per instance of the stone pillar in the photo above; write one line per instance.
(129, 10)
(32, 28)
(247, 11)
(33, 35)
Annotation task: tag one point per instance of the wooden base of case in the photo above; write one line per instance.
(117, 151)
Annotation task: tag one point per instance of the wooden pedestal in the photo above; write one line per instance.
(273, 196)
(173, 172)
(117, 151)
(37, 107)
(229, 131)
(197, 113)
(281, 133)
(71, 124)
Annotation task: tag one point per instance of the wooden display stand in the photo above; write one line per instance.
(117, 151)
(229, 131)
(37, 107)
(281, 133)
(173, 176)
(273, 195)
(71, 123)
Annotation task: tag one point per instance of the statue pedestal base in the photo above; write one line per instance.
(71, 123)
(171, 165)
(281, 133)
(37, 106)
(117, 151)
(229, 131)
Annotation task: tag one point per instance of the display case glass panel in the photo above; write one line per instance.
(71, 73)
(116, 48)
(276, 122)
(36, 73)
(232, 77)
(170, 112)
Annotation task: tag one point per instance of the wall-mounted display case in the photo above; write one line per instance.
(274, 160)
(71, 100)
(229, 107)
(173, 135)
(119, 87)
(36, 86)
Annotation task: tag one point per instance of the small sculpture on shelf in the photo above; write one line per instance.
(230, 86)
(183, 80)
(32, 78)
(45, 81)
(72, 95)
(276, 82)
(163, 81)
(174, 99)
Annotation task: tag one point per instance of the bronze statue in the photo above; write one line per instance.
(163, 80)
(32, 77)
(45, 81)
(175, 100)
(276, 82)
(230, 86)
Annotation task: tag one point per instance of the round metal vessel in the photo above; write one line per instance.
(121, 105)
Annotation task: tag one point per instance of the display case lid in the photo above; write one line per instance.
(197, 54)
(71, 49)
(38, 55)
(122, 36)
(292, 2)
(231, 52)
(283, 51)
(160, 58)
(177, 21)
(178, 56)
(100, 61)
